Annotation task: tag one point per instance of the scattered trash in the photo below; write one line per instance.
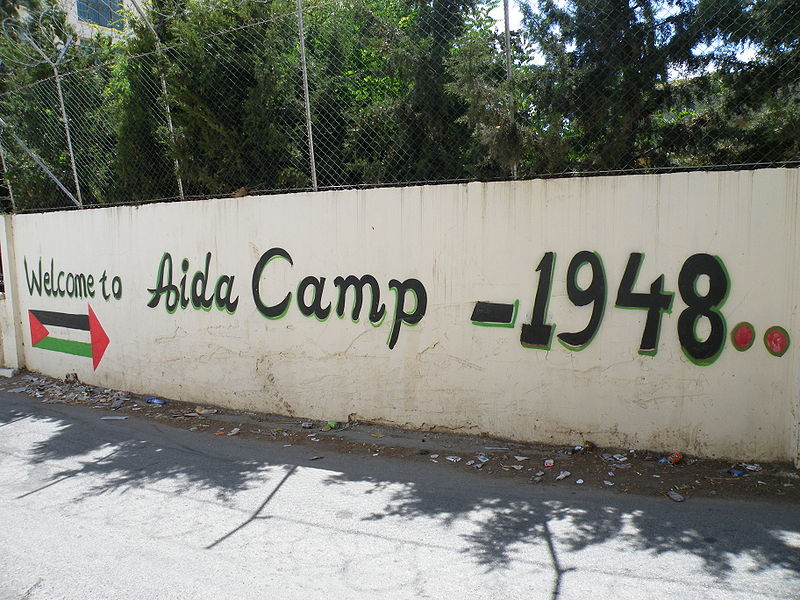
(314, 439)
(536, 479)
(736, 472)
(579, 481)
(205, 411)
(673, 495)
(331, 425)
(483, 458)
(469, 463)
(539, 473)
(116, 418)
(675, 458)
(17, 390)
(751, 467)
(453, 459)
(71, 378)
(377, 435)
(234, 431)
(423, 452)
(577, 449)
(563, 475)
(287, 445)
(494, 448)
(549, 462)
(515, 467)
(521, 458)
(192, 428)
(117, 404)
(219, 433)
(434, 456)
(156, 401)
(316, 457)
(307, 425)
(607, 482)
(657, 476)
(620, 457)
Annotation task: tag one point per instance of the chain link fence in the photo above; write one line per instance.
(235, 98)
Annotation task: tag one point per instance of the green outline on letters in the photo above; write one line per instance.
(549, 345)
(289, 303)
(784, 332)
(602, 313)
(716, 309)
(663, 311)
(508, 325)
(733, 333)
(314, 313)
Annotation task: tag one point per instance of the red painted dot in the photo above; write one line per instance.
(777, 341)
(743, 336)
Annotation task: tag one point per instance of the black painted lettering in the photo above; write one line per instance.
(104, 277)
(276, 311)
(400, 314)
(315, 308)
(377, 310)
(164, 285)
(223, 299)
(116, 287)
(184, 269)
(199, 285)
(34, 282)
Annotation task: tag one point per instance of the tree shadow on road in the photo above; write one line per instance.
(503, 514)
(572, 520)
(131, 454)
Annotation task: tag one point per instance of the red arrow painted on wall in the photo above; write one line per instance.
(41, 338)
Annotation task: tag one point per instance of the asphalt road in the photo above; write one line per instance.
(118, 509)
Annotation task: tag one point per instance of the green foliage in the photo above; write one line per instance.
(400, 91)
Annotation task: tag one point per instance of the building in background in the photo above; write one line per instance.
(87, 17)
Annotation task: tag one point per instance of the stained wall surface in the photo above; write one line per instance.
(602, 309)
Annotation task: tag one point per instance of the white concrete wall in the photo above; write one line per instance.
(464, 243)
(11, 341)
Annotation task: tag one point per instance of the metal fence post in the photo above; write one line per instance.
(511, 103)
(305, 95)
(5, 177)
(167, 110)
(38, 161)
(62, 106)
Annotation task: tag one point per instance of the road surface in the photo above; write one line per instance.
(132, 509)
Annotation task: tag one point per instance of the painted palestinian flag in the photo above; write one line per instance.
(81, 335)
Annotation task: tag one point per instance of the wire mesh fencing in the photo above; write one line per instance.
(229, 97)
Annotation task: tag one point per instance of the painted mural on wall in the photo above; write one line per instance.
(179, 290)
(702, 351)
(403, 302)
(69, 333)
